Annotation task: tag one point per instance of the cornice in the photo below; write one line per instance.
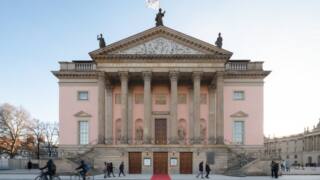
(75, 75)
(245, 74)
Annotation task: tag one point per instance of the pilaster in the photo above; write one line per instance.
(212, 113)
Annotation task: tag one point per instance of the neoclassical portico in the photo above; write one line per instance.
(194, 78)
(161, 94)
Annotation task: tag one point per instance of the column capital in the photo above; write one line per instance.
(219, 74)
(147, 75)
(101, 74)
(197, 75)
(124, 75)
(173, 75)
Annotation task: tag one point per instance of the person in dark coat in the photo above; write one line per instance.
(272, 169)
(51, 169)
(83, 169)
(121, 169)
(106, 169)
(29, 165)
(200, 170)
(208, 169)
(276, 170)
(111, 169)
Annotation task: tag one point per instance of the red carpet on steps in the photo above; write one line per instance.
(160, 177)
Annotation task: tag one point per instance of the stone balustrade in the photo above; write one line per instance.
(244, 65)
(77, 66)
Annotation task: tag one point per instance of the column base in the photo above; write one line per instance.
(220, 140)
(108, 141)
(212, 140)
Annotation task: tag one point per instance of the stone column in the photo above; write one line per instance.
(124, 106)
(196, 106)
(130, 116)
(220, 111)
(147, 107)
(212, 113)
(101, 107)
(109, 115)
(173, 107)
(191, 122)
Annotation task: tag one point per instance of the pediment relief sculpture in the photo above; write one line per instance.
(82, 114)
(160, 45)
(239, 114)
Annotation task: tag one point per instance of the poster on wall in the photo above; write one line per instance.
(147, 162)
(173, 161)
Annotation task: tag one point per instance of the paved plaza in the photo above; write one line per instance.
(30, 175)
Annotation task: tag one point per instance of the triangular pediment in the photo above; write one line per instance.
(160, 41)
(82, 114)
(239, 114)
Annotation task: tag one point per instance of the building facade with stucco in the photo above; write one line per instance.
(161, 101)
(301, 149)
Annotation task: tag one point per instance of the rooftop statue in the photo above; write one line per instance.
(159, 17)
(219, 41)
(102, 43)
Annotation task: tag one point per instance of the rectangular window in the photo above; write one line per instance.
(238, 95)
(238, 132)
(117, 98)
(83, 132)
(160, 99)
(203, 98)
(83, 95)
(182, 99)
(138, 99)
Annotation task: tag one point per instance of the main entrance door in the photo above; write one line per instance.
(160, 163)
(160, 131)
(185, 162)
(135, 162)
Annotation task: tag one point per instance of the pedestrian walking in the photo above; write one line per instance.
(200, 170)
(208, 169)
(121, 169)
(276, 170)
(29, 165)
(272, 169)
(106, 170)
(111, 169)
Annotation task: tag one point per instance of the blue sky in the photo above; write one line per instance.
(36, 34)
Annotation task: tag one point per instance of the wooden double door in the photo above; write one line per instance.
(160, 131)
(160, 163)
(135, 162)
(185, 162)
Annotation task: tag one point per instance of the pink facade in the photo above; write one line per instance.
(251, 106)
(69, 106)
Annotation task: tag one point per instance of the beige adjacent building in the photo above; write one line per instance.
(299, 149)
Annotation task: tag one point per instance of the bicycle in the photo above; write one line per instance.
(42, 176)
(78, 176)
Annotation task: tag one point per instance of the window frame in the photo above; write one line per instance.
(79, 131)
(238, 99)
(243, 133)
(78, 95)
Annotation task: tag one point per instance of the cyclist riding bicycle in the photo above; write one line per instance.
(51, 169)
(84, 169)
